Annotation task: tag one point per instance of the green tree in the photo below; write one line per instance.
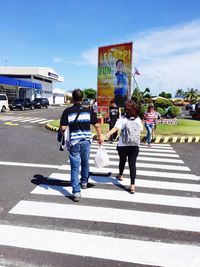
(192, 94)
(179, 92)
(140, 96)
(166, 95)
(89, 93)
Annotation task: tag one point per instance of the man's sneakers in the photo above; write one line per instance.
(83, 186)
(76, 197)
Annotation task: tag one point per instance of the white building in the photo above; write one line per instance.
(58, 96)
(28, 82)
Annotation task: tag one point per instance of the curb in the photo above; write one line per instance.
(176, 139)
(157, 140)
(51, 128)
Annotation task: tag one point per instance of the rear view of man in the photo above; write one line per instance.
(79, 118)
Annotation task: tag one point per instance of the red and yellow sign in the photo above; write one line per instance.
(114, 73)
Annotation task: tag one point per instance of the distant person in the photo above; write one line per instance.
(78, 119)
(130, 126)
(150, 118)
(121, 84)
(113, 116)
(95, 106)
(193, 107)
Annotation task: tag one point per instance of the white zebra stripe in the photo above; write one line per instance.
(140, 158)
(109, 215)
(122, 195)
(149, 149)
(139, 182)
(140, 173)
(150, 165)
(43, 122)
(98, 246)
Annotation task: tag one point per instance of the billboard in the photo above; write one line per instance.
(114, 74)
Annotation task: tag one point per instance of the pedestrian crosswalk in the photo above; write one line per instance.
(23, 119)
(157, 226)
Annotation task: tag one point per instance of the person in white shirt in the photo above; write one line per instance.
(128, 146)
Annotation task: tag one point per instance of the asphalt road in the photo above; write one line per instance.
(25, 143)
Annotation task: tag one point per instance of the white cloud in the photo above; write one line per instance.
(87, 57)
(167, 59)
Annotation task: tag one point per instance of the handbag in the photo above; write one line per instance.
(64, 137)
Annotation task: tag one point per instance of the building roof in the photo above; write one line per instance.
(44, 72)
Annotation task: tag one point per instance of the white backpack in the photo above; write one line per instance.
(131, 133)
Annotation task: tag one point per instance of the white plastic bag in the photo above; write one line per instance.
(101, 159)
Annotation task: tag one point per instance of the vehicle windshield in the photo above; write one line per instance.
(37, 100)
(17, 101)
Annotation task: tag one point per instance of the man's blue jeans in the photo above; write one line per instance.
(79, 156)
(149, 128)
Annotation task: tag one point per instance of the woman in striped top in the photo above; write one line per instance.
(150, 118)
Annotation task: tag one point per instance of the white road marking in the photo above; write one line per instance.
(104, 247)
(38, 120)
(139, 173)
(23, 164)
(122, 195)
(155, 154)
(153, 145)
(150, 165)
(27, 120)
(158, 154)
(141, 149)
(140, 158)
(109, 215)
(42, 122)
(139, 182)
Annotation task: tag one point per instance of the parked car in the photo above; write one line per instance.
(21, 104)
(40, 102)
(3, 103)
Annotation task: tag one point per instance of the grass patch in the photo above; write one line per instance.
(55, 123)
(184, 127)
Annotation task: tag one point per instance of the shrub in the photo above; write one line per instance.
(162, 103)
(174, 111)
(142, 110)
(162, 111)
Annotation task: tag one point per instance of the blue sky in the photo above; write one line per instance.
(65, 35)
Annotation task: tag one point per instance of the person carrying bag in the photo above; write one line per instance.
(78, 119)
(130, 126)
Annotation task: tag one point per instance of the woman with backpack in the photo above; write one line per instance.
(130, 126)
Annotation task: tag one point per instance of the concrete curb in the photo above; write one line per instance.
(176, 139)
(51, 128)
(157, 140)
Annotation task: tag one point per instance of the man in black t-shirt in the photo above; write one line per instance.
(113, 115)
(78, 119)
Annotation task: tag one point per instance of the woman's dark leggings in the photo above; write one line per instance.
(131, 152)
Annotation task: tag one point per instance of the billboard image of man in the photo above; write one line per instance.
(121, 84)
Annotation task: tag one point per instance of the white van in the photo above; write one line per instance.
(3, 103)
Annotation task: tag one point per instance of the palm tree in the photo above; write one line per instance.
(179, 92)
(191, 94)
(139, 96)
